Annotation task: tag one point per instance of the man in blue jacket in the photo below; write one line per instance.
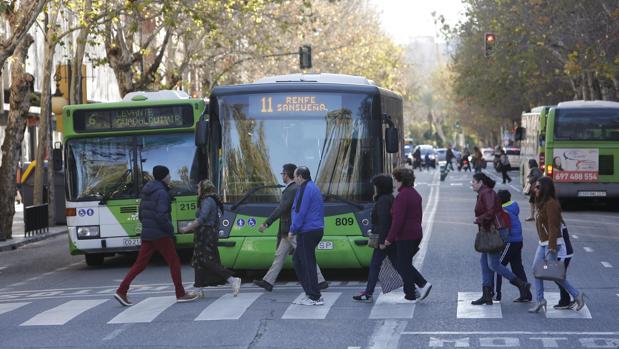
(157, 236)
(307, 225)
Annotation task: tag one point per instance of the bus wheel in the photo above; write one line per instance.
(94, 259)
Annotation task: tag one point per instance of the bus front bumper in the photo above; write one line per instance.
(587, 190)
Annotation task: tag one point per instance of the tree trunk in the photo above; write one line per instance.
(21, 90)
(594, 86)
(584, 87)
(608, 89)
(75, 95)
(20, 21)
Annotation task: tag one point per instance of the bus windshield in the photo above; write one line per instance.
(118, 167)
(331, 134)
(587, 124)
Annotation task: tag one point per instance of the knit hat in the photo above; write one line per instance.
(160, 172)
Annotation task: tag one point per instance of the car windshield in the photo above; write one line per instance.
(118, 167)
(331, 134)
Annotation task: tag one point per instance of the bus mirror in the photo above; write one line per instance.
(57, 159)
(519, 134)
(391, 140)
(201, 132)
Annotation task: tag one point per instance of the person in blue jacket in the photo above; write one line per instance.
(512, 253)
(308, 226)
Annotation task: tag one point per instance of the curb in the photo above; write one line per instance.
(13, 245)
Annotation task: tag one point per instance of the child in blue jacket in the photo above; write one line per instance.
(512, 252)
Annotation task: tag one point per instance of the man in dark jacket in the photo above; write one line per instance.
(157, 236)
(284, 245)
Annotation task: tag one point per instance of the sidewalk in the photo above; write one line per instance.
(19, 238)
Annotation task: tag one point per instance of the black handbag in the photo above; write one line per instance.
(488, 241)
(549, 269)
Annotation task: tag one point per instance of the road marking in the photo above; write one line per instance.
(63, 313)
(116, 332)
(428, 224)
(457, 184)
(6, 307)
(551, 313)
(296, 311)
(588, 249)
(228, 307)
(145, 311)
(574, 236)
(606, 265)
(392, 306)
(387, 334)
(468, 311)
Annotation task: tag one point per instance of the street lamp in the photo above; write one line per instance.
(58, 101)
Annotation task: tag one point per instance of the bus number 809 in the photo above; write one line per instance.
(344, 221)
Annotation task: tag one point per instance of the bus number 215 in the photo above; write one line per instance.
(344, 221)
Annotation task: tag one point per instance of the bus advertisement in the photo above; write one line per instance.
(576, 143)
(110, 150)
(343, 128)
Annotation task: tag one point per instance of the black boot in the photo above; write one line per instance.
(524, 288)
(486, 297)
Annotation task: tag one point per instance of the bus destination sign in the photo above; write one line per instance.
(298, 104)
(134, 118)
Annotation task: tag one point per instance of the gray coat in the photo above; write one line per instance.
(283, 211)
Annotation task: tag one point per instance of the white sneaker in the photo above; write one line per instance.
(308, 301)
(425, 291)
(236, 286)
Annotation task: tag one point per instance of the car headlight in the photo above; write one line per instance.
(182, 224)
(88, 232)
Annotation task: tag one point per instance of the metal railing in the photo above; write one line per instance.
(35, 220)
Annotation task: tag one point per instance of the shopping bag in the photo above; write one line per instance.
(549, 269)
(389, 277)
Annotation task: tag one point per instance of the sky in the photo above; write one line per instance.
(403, 19)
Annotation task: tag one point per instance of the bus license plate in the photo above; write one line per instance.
(325, 245)
(132, 242)
(592, 194)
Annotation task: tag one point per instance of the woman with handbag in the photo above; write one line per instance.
(381, 222)
(488, 218)
(206, 261)
(551, 243)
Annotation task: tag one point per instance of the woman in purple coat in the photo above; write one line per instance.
(406, 234)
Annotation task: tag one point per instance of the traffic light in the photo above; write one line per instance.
(489, 42)
(305, 56)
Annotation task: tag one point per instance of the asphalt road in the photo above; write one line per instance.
(53, 300)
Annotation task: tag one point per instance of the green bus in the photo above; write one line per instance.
(532, 137)
(344, 128)
(109, 152)
(579, 148)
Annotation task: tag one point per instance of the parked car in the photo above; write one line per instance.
(513, 154)
(488, 155)
(408, 153)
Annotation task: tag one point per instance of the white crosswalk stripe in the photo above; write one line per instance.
(392, 306)
(551, 313)
(63, 313)
(6, 307)
(145, 311)
(468, 311)
(229, 307)
(296, 311)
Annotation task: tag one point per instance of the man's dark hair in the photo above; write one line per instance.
(504, 195)
(304, 173)
(289, 170)
(545, 192)
(404, 176)
(384, 185)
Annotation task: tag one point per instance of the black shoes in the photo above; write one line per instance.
(264, 284)
(323, 285)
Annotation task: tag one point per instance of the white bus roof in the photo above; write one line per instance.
(588, 104)
(156, 95)
(317, 77)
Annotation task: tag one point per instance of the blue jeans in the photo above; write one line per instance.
(490, 264)
(377, 260)
(539, 284)
(304, 262)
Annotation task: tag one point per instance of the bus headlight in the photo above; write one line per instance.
(182, 224)
(88, 232)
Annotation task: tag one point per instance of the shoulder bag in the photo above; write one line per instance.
(389, 277)
(488, 241)
(548, 269)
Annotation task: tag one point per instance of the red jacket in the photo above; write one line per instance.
(406, 215)
(488, 209)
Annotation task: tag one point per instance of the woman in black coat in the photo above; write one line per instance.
(381, 222)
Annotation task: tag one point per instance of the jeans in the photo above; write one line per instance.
(490, 264)
(304, 261)
(283, 250)
(377, 260)
(539, 284)
(165, 247)
(512, 254)
(405, 251)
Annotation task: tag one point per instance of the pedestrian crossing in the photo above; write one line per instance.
(227, 307)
